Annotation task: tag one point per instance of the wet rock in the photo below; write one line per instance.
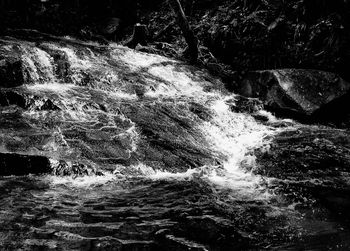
(244, 104)
(307, 153)
(17, 164)
(73, 241)
(10, 97)
(43, 233)
(297, 93)
(64, 168)
(201, 111)
(48, 104)
(61, 61)
(311, 167)
(12, 73)
(108, 29)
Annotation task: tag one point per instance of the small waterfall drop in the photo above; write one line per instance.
(137, 145)
(98, 100)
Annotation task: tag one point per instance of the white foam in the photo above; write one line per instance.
(243, 185)
(138, 60)
(233, 134)
(176, 81)
(38, 63)
(53, 87)
(84, 181)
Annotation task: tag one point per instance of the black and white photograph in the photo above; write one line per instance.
(174, 125)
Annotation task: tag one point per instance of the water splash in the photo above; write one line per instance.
(82, 181)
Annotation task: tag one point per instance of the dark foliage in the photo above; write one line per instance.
(266, 34)
(69, 16)
(246, 35)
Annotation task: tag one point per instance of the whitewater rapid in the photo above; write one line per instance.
(231, 136)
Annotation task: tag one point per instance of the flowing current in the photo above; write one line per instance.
(145, 153)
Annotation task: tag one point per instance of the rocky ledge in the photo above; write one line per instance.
(301, 94)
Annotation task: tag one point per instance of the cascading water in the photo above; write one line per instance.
(145, 153)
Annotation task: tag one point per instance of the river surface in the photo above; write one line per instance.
(148, 153)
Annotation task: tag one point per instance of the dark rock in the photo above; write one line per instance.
(62, 64)
(17, 164)
(12, 73)
(13, 97)
(299, 93)
(48, 105)
(10, 97)
(110, 26)
(244, 104)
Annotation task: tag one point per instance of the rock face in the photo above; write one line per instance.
(297, 92)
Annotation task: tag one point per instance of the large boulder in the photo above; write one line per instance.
(12, 72)
(297, 92)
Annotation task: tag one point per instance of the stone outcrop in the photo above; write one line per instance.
(295, 92)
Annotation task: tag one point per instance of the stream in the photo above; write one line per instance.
(144, 152)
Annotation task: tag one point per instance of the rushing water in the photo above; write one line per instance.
(168, 163)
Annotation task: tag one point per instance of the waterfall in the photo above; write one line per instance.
(137, 144)
(100, 92)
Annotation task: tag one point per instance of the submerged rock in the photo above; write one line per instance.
(292, 92)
